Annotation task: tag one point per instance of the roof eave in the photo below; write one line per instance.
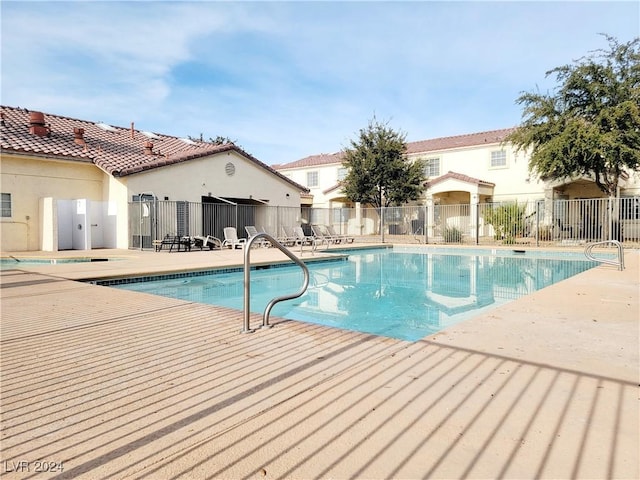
(46, 156)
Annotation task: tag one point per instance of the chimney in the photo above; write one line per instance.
(78, 138)
(132, 130)
(148, 148)
(37, 125)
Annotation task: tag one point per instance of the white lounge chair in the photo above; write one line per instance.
(279, 238)
(252, 231)
(301, 237)
(289, 238)
(231, 239)
(322, 235)
(342, 238)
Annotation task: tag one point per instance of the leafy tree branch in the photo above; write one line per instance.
(590, 125)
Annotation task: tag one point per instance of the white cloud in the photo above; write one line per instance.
(290, 79)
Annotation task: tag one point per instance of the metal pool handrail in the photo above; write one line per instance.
(247, 280)
(619, 262)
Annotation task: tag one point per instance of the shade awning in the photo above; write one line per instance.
(245, 201)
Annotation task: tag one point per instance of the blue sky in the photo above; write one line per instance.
(290, 79)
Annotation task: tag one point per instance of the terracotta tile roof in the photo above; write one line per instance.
(461, 177)
(118, 151)
(312, 160)
(333, 188)
(458, 141)
(423, 146)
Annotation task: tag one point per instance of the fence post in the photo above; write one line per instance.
(424, 224)
(382, 221)
(538, 204)
(477, 207)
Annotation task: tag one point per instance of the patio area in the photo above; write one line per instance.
(105, 383)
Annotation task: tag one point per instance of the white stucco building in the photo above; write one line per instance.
(468, 171)
(67, 183)
(469, 168)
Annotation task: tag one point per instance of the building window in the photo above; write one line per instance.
(498, 159)
(342, 174)
(312, 179)
(6, 205)
(432, 167)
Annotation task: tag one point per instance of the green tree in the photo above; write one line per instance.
(590, 125)
(219, 140)
(378, 172)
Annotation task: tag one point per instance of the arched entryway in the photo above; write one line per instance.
(461, 191)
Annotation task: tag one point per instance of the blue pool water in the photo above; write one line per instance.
(400, 294)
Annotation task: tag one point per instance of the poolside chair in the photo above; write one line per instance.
(322, 235)
(301, 237)
(206, 241)
(342, 238)
(279, 238)
(179, 242)
(330, 236)
(289, 238)
(231, 239)
(253, 231)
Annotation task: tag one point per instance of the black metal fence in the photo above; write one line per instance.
(539, 222)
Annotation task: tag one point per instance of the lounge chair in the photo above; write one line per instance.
(322, 235)
(253, 231)
(171, 241)
(231, 239)
(301, 237)
(206, 241)
(289, 238)
(342, 238)
(279, 238)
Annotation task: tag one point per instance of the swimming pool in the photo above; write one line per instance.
(404, 294)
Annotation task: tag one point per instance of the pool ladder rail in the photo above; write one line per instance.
(618, 263)
(247, 281)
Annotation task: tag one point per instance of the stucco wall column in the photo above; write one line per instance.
(548, 206)
(430, 217)
(474, 200)
(48, 241)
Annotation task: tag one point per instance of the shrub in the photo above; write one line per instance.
(545, 232)
(507, 220)
(452, 235)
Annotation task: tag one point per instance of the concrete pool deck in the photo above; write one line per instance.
(105, 383)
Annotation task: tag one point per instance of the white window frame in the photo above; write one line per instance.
(342, 173)
(312, 178)
(493, 157)
(7, 206)
(429, 169)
